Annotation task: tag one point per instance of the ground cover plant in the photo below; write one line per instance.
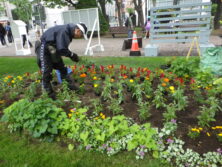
(172, 114)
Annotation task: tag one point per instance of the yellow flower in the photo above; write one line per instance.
(101, 114)
(112, 80)
(186, 76)
(95, 85)
(96, 118)
(103, 117)
(94, 78)
(5, 80)
(218, 127)
(200, 128)
(208, 134)
(172, 88)
(131, 80)
(214, 128)
(69, 115)
(220, 134)
(13, 81)
(147, 78)
(37, 81)
(19, 77)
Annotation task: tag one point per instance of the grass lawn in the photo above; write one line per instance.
(17, 66)
(23, 151)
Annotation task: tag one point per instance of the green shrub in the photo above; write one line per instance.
(40, 118)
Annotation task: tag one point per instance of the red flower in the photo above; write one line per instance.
(192, 81)
(162, 75)
(131, 69)
(102, 68)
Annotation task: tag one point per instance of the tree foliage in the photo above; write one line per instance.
(23, 9)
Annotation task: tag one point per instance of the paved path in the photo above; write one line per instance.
(113, 47)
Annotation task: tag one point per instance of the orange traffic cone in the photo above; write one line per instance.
(135, 51)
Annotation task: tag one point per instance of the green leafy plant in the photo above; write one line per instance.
(40, 118)
(170, 113)
(106, 94)
(159, 100)
(119, 86)
(97, 107)
(137, 93)
(179, 99)
(184, 68)
(206, 116)
(144, 110)
(115, 107)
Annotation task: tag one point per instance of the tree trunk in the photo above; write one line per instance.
(138, 8)
(118, 5)
(218, 15)
(103, 9)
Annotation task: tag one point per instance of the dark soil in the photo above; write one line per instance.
(185, 119)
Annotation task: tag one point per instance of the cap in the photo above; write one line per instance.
(83, 28)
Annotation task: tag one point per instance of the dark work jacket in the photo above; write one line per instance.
(59, 36)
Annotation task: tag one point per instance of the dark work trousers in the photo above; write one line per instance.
(10, 38)
(48, 63)
(2, 38)
(24, 39)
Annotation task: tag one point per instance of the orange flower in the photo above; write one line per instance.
(9, 76)
(112, 80)
(125, 76)
(163, 84)
(166, 80)
(83, 75)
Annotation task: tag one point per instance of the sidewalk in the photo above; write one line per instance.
(113, 47)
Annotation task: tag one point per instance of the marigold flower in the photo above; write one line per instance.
(208, 134)
(172, 88)
(163, 84)
(220, 134)
(13, 81)
(218, 127)
(125, 76)
(19, 77)
(95, 85)
(166, 80)
(69, 115)
(147, 78)
(83, 75)
(112, 80)
(9, 76)
(94, 78)
(131, 80)
(103, 117)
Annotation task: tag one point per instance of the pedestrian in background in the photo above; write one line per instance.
(24, 37)
(2, 34)
(147, 27)
(129, 25)
(9, 32)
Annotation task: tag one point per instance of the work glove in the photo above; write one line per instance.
(74, 57)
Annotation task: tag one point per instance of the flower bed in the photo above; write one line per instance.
(174, 116)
